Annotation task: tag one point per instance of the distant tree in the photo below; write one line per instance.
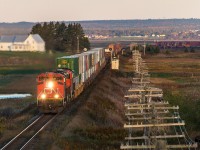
(152, 49)
(49, 33)
(167, 52)
(60, 37)
(79, 36)
(186, 50)
(37, 28)
(86, 43)
(192, 50)
(157, 50)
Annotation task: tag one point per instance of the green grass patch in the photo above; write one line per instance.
(161, 75)
(27, 62)
(180, 80)
(4, 80)
(31, 54)
(189, 109)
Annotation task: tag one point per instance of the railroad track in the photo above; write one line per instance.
(23, 139)
(26, 138)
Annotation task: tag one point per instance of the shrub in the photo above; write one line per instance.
(167, 52)
(186, 50)
(192, 50)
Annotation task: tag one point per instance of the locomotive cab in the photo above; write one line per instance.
(68, 74)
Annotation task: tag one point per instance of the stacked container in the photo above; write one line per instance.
(69, 62)
(83, 65)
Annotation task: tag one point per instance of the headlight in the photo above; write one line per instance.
(43, 96)
(56, 96)
(50, 84)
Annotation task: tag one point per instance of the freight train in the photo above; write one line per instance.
(177, 43)
(73, 74)
(115, 49)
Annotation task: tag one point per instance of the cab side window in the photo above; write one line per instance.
(68, 76)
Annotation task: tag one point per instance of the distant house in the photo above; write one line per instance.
(32, 42)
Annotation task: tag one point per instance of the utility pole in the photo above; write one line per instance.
(150, 116)
(78, 44)
(144, 47)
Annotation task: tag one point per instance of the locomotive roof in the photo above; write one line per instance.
(71, 56)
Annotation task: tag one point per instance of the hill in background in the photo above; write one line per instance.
(168, 28)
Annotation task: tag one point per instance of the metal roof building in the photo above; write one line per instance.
(32, 42)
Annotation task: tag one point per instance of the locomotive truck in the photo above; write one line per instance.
(73, 74)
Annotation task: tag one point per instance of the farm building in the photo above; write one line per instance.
(32, 42)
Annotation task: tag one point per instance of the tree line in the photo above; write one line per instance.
(61, 37)
(152, 49)
(149, 49)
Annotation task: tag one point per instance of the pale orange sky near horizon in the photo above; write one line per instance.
(75, 10)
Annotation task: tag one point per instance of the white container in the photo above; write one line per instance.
(84, 63)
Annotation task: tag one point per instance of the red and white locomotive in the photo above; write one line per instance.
(54, 89)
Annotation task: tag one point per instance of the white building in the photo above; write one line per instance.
(32, 42)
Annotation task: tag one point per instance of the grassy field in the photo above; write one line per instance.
(26, 62)
(98, 123)
(178, 74)
(18, 71)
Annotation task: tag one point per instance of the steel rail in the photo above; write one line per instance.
(42, 128)
(21, 132)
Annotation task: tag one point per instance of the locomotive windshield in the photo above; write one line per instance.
(42, 78)
(58, 78)
(67, 76)
(45, 78)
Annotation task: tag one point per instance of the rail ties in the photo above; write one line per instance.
(25, 137)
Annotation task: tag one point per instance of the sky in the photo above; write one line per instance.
(78, 10)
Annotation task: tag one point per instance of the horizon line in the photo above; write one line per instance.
(105, 20)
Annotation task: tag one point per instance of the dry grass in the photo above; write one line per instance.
(10, 127)
(178, 74)
(161, 81)
(15, 115)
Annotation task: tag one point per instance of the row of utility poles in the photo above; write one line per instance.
(151, 122)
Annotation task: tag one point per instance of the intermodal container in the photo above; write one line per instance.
(69, 62)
